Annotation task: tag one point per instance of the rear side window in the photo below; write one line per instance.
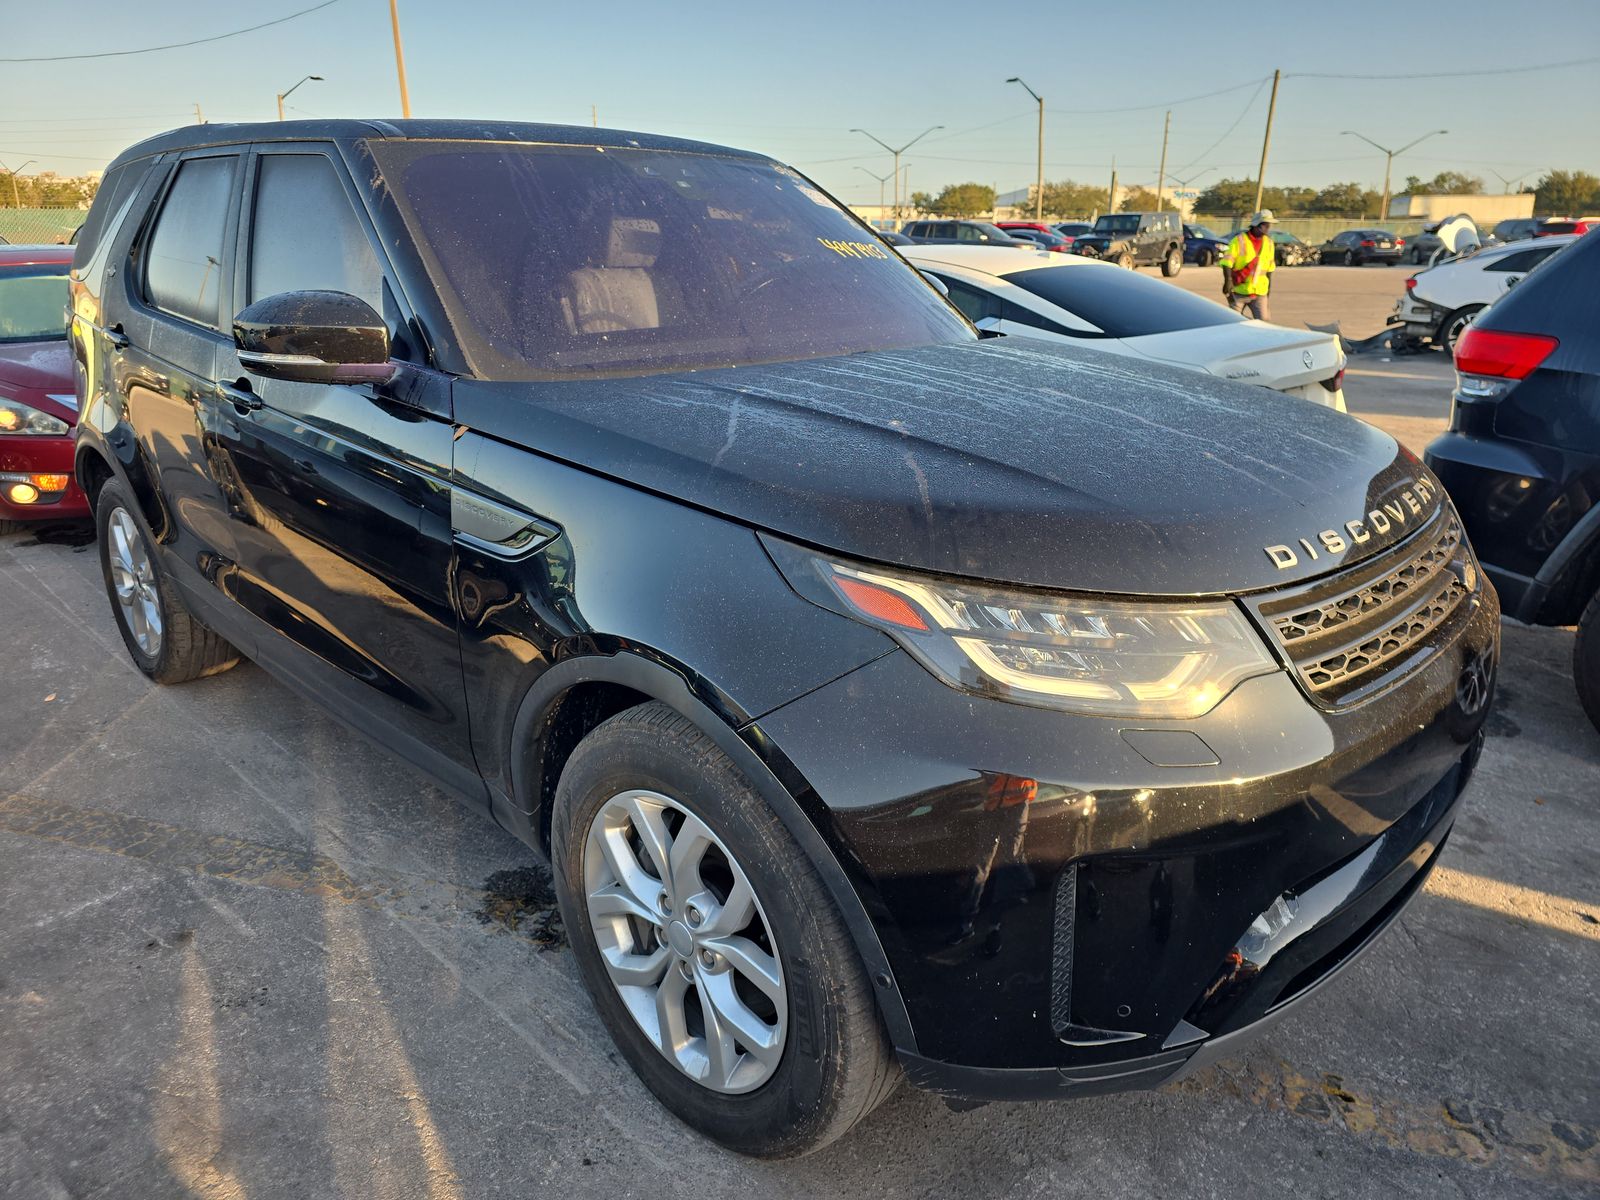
(1523, 260)
(1122, 303)
(306, 235)
(183, 260)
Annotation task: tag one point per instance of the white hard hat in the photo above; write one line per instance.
(1264, 217)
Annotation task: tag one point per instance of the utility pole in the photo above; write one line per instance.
(16, 199)
(1161, 177)
(1111, 196)
(1388, 161)
(1038, 195)
(594, 115)
(1266, 140)
(399, 59)
(199, 118)
(897, 154)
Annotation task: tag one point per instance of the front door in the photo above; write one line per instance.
(345, 545)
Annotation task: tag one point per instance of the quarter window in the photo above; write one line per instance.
(306, 235)
(1522, 261)
(183, 261)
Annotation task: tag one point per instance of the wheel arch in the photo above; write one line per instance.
(1569, 577)
(577, 694)
(93, 472)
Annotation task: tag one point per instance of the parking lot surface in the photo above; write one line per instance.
(245, 954)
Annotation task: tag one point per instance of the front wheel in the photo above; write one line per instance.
(1586, 660)
(166, 641)
(1205, 258)
(1172, 263)
(1125, 259)
(714, 953)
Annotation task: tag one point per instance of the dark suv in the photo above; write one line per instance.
(1136, 240)
(1522, 455)
(887, 699)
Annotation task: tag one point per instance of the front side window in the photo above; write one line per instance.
(183, 260)
(33, 302)
(306, 236)
(571, 261)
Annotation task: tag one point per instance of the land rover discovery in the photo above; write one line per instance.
(890, 700)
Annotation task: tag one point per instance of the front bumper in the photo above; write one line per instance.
(1067, 902)
(22, 459)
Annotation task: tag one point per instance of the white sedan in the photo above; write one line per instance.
(1062, 297)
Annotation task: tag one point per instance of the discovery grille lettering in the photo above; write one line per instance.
(1392, 516)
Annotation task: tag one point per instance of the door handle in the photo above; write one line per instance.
(118, 339)
(242, 398)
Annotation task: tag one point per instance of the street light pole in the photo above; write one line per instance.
(897, 154)
(882, 179)
(1038, 195)
(1388, 161)
(1161, 176)
(282, 96)
(16, 199)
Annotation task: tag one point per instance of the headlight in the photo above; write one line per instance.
(17, 417)
(1147, 659)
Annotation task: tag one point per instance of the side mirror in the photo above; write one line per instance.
(313, 337)
(939, 285)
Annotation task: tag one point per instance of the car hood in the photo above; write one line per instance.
(34, 372)
(1000, 459)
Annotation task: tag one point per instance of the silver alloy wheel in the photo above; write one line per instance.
(1456, 327)
(685, 941)
(133, 578)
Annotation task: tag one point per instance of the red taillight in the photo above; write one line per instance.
(1399, 241)
(1501, 355)
(1369, 242)
(1411, 284)
(1334, 383)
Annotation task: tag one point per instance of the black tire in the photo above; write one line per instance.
(186, 649)
(1205, 258)
(12, 526)
(1350, 259)
(823, 1084)
(1586, 660)
(1452, 325)
(1173, 262)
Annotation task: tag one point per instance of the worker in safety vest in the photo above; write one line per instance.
(1247, 266)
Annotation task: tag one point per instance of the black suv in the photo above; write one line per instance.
(977, 233)
(888, 699)
(1136, 240)
(1522, 455)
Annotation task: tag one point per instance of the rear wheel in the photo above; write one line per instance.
(1173, 262)
(1350, 259)
(1453, 326)
(166, 641)
(1586, 660)
(717, 960)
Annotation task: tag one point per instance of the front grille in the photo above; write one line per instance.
(1354, 632)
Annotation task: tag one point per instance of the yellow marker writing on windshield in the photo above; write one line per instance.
(854, 249)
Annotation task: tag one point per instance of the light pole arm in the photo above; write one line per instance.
(1370, 142)
(1423, 138)
(880, 141)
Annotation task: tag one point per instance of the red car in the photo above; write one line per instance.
(1552, 226)
(38, 402)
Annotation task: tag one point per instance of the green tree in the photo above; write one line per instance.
(1138, 199)
(1065, 199)
(49, 190)
(1345, 200)
(965, 200)
(1567, 193)
(1233, 197)
(922, 202)
(1454, 183)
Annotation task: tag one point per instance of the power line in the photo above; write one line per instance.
(1572, 62)
(172, 45)
(1244, 112)
(1165, 103)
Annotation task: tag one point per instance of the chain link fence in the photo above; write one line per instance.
(39, 226)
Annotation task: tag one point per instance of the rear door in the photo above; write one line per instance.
(343, 501)
(167, 301)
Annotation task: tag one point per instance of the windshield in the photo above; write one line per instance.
(33, 302)
(1118, 223)
(1200, 231)
(1121, 303)
(575, 261)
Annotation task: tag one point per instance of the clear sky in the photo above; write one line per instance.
(792, 79)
